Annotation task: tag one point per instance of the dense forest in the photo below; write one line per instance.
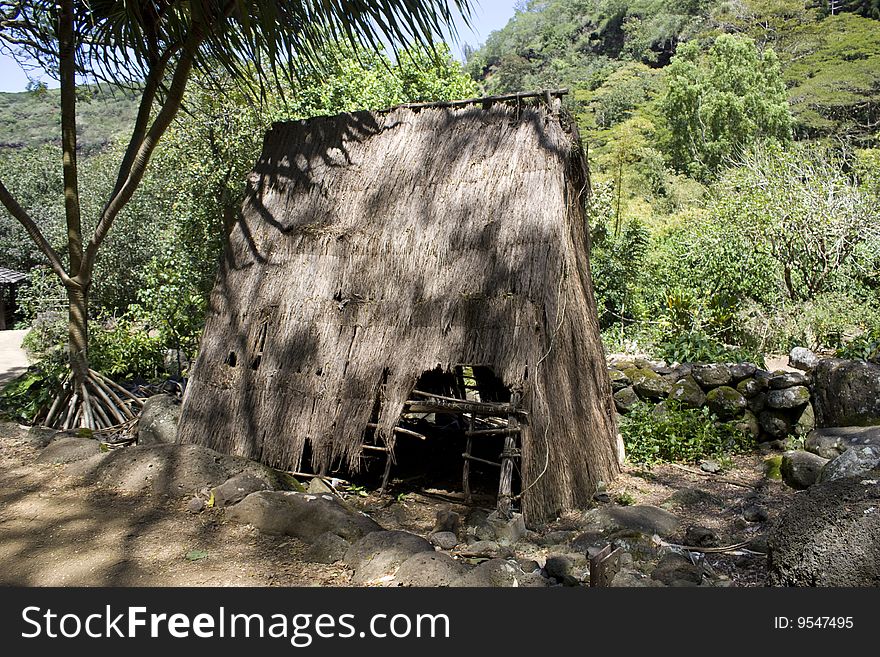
(732, 146)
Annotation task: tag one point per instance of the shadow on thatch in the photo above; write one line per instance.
(375, 247)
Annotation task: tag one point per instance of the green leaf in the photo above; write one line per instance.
(196, 555)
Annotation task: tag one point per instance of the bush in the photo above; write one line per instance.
(678, 434)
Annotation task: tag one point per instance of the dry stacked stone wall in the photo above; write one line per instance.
(768, 405)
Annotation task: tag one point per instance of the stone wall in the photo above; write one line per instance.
(767, 405)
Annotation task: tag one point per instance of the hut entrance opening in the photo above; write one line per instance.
(459, 431)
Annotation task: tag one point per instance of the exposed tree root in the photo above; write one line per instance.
(96, 403)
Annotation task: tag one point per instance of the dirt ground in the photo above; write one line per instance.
(56, 531)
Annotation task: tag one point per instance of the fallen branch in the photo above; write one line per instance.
(736, 547)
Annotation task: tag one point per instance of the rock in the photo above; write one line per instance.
(687, 393)
(774, 424)
(557, 537)
(528, 565)
(846, 393)
(443, 540)
(625, 399)
(157, 423)
(236, 488)
(801, 469)
(327, 548)
(773, 467)
(637, 543)
(748, 388)
(648, 384)
(618, 379)
(40, 437)
(755, 513)
(787, 398)
(585, 541)
(758, 403)
(726, 402)
(852, 463)
(173, 470)
(674, 568)
(195, 505)
(318, 486)
(697, 536)
(803, 359)
(805, 422)
(642, 518)
(710, 466)
(782, 379)
(302, 515)
(378, 556)
(828, 536)
(558, 566)
(486, 549)
(740, 371)
(446, 521)
(633, 579)
(493, 573)
(504, 531)
(429, 569)
(712, 375)
(749, 424)
(69, 450)
(834, 441)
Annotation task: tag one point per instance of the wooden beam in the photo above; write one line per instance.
(468, 457)
(400, 430)
(505, 484)
(494, 432)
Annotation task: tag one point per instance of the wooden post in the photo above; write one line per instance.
(505, 485)
(466, 468)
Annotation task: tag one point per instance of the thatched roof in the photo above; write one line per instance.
(377, 246)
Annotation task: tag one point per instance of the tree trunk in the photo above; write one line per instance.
(78, 333)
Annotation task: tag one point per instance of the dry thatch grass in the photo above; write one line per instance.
(377, 246)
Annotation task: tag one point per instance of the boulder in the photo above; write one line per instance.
(697, 536)
(39, 437)
(726, 402)
(443, 540)
(687, 393)
(327, 548)
(787, 398)
(236, 488)
(195, 505)
(378, 556)
(801, 469)
(749, 424)
(828, 536)
(675, 570)
(802, 358)
(831, 442)
(782, 379)
(852, 463)
(618, 379)
(846, 393)
(157, 423)
(774, 424)
(506, 531)
(806, 421)
(487, 550)
(447, 521)
(69, 449)
(712, 375)
(302, 515)
(740, 371)
(648, 384)
(758, 403)
(318, 486)
(642, 518)
(755, 513)
(750, 387)
(625, 399)
(429, 569)
(558, 566)
(493, 573)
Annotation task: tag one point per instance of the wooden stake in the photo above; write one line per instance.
(505, 485)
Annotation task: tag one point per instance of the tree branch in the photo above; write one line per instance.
(34, 231)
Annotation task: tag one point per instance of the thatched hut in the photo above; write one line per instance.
(9, 281)
(397, 273)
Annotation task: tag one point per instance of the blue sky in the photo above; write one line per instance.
(489, 15)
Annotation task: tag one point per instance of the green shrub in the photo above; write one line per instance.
(678, 434)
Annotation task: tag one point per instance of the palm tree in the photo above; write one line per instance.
(156, 44)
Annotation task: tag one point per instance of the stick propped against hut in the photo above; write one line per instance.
(405, 269)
